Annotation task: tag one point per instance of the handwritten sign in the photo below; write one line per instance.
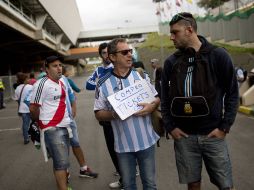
(125, 102)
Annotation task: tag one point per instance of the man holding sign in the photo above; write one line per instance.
(134, 136)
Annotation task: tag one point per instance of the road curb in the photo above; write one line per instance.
(246, 110)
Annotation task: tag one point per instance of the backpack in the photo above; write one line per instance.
(34, 133)
(192, 83)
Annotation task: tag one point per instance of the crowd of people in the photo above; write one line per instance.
(196, 93)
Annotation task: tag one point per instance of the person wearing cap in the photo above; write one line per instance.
(198, 71)
(48, 107)
(157, 70)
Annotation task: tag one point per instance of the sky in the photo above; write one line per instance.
(110, 14)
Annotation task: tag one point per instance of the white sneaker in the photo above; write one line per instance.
(137, 173)
(115, 185)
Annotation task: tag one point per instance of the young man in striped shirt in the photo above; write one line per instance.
(134, 137)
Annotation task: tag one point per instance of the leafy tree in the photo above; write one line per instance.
(211, 3)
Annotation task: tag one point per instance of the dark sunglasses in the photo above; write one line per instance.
(124, 52)
(178, 17)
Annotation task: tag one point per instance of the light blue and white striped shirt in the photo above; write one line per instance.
(134, 133)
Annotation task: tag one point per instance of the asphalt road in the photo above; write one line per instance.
(22, 166)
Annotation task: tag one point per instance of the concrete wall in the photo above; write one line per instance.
(66, 15)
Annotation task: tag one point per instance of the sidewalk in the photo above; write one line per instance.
(248, 110)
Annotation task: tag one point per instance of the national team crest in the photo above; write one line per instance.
(187, 108)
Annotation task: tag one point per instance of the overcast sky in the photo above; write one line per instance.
(109, 14)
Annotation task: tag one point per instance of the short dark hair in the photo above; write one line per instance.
(31, 75)
(113, 43)
(51, 59)
(185, 18)
(102, 46)
(21, 78)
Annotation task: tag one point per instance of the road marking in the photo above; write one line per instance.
(10, 117)
(15, 129)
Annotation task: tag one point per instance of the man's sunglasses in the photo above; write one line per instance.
(124, 52)
(178, 17)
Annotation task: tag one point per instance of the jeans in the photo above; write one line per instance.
(57, 143)
(146, 161)
(213, 151)
(74, 140)
(25, 125)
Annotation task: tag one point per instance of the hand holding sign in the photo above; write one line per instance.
(146, 108)
(126, 102)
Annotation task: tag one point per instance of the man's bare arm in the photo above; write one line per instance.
(34, 112)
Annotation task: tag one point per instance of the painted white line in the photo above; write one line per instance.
(14, 129)
(10, 117)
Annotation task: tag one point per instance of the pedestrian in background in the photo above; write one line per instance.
(32, 79)
(157, 71)
(199, 104)
(66, 73)
(22, 91)
(84, 171)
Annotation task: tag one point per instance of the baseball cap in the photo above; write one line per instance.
(52, 58)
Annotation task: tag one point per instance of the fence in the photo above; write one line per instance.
(237, 26)
(8, 84)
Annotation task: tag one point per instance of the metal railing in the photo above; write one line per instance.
(20, 11)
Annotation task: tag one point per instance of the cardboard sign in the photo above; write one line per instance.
(125, 102)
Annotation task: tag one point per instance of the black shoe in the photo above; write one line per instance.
(26, 141)
(88, 173)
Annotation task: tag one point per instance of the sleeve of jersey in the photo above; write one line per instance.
(37, 94)
(100, 102)
(91, 82)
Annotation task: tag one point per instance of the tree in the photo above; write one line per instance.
(211, 3)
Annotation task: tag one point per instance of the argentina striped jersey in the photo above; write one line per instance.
(134, 133)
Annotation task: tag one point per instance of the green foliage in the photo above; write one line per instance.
(211, 3)
(156, 41)
(235, 49)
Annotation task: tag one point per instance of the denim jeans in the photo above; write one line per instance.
(25, 125)
(57, 143)
(146, 161)
(213, 151)
(74, 140)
